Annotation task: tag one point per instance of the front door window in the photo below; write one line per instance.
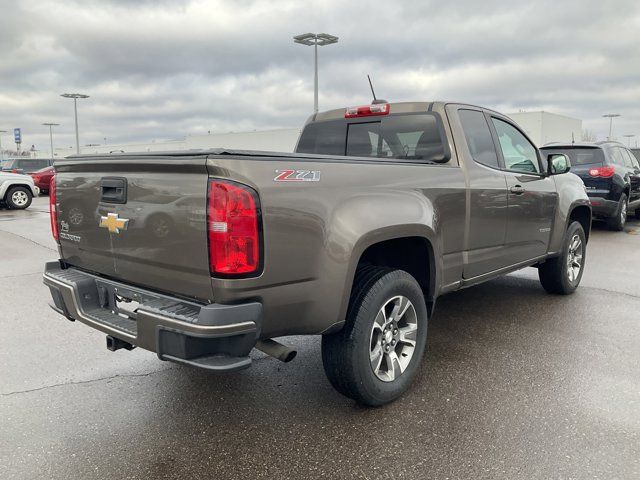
(518, 152)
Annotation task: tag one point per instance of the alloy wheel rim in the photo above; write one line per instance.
(19, 198)
(623, 213)
(574, 258)
(393, 338)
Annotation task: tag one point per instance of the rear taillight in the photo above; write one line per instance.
(53, 213)
(604, 172)
(368, 110)
(233, 218)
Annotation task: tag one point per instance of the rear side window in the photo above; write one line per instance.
(478, 136)
(579, 156)
(408, 137)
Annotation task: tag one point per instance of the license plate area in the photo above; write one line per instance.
(121, 301)
(126, 307)
(124, 301)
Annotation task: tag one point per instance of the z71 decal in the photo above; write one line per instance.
(297, 176)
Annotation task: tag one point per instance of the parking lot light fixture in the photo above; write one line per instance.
(51, 125)
(75, 97)
(317, 40)
(611, 116)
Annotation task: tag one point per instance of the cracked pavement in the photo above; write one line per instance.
(516, 384)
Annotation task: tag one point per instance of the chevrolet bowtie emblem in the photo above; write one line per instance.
(113, 223)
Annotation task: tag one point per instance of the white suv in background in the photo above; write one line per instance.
(17, 191)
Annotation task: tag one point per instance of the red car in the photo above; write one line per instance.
(42, 178)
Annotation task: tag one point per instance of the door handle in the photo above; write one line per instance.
(517, 189)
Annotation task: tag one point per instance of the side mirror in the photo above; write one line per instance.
(558, 163)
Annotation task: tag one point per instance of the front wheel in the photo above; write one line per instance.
(562, 274)
(18, 198)
(375, 357)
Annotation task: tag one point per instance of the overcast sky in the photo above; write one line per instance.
(162, 69)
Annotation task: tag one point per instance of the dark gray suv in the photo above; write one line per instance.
(611, 175)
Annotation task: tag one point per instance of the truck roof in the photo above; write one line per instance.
(396, 107)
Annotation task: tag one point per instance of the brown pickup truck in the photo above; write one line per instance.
(201, 256)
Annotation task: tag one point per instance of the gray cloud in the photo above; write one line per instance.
(163, 69)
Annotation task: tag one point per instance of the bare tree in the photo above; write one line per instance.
(588, 135)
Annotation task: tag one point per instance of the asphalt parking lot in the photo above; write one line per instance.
(516, 384)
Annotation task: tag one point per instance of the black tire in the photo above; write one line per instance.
(637, 214)
(554, 273)
(18, 198)
(346, 354)
(618, 221)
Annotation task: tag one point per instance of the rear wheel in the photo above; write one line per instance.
(562, 274)
(618, 221)
(18, 198)
(375, 357)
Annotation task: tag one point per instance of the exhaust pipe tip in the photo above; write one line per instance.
(290, 355)
(284, 353)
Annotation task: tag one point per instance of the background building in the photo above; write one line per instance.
(279, 140)
(542, 127)
(545, 127)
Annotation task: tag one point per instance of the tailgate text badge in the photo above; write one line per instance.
(113, 223)
(297, 176)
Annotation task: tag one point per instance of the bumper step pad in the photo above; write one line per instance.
(213, 337)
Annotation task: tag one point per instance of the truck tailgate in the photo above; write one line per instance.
(137, 218)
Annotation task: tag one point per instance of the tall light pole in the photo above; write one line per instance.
(629, 137)
(317, 40)
(75, 97)
(1, 154)
(611, 116)
(51, 125)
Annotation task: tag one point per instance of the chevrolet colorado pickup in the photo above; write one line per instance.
(201, 256)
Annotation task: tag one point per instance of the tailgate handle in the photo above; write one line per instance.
(113, 190)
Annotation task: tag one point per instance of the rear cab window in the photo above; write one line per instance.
(410, 137)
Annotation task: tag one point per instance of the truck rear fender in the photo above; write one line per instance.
(409, 247)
